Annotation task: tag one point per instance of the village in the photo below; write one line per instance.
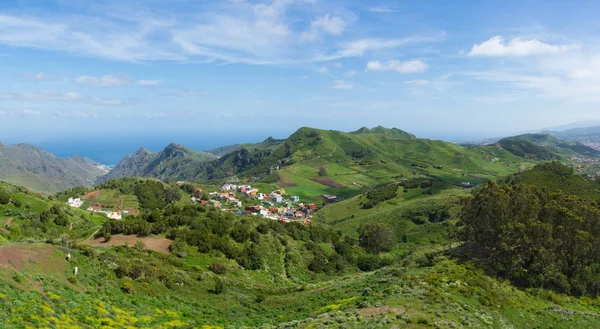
(247, 200)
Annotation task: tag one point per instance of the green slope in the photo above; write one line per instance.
(544, 145)
(556, 176)
(268, 144)
(125, 287)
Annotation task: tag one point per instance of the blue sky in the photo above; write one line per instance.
(222, 71)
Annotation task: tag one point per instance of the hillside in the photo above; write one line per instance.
(173, 162)
(555, 176)
(268, 144)
(545, 147)
(42, 171)
(202, 268)
(312, 162)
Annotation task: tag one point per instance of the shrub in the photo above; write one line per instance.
(139, 245)
(220, 287)
(4, 197)
(217, 268)
(369, 263)
(127, 288)
(17, 203)
(377, 237)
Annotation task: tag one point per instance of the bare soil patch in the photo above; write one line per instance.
(91, 196)
(328, 182)
(36, 255)
(8, 221)
(286, 185)
(152, 243)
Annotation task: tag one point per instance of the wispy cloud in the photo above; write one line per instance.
(261, 33)
(36, 76)
(342, 84)
(195, 93)
(54, 96)
(148, 83)
(332, 25)
(380, 9)
(497, 46)
(412, 66)
(110, 80)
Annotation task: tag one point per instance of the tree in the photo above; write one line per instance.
(535, 237)
(377, 237)
(322, 172)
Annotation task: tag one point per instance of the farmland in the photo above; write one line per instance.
(111, 199)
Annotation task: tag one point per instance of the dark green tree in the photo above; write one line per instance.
(377, 237)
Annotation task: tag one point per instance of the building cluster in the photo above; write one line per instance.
(275, 205)
(75, 203)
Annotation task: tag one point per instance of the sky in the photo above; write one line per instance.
(208, 73)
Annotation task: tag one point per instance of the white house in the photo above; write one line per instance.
(276, 198)
(228, 187)
(76, 203)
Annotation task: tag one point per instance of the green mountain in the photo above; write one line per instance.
(312, 162)
(545, 147)
(41, 171)
(555, 176)
(173, 162)
(268, 144)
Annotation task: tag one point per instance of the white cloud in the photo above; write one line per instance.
(41, 96)
(323, 69)
(497, 46)
(417, 82)
(155, 115)
(341, 84)
(110, 80)
(40, 76)
(55, 96)
(195, 93)
(350, 74)
(412, 66)
(148, 83)
(261, 33)
(380, 9)
(305, 77)
(332, 25)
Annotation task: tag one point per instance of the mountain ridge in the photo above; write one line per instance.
(42, 171)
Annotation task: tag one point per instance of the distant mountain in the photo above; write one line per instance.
(175, 161)
(389, 132)
(42, 171)
(330, 161)
(131, 165)
(545, 147)
(269, 143)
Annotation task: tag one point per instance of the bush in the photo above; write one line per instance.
(217, 268)
(127, 288)
(368, 263)
(377, 237)
(17, 203)
(4, 197)
(220, 287)
(139, 245)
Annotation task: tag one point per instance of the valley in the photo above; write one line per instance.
(361, 229)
